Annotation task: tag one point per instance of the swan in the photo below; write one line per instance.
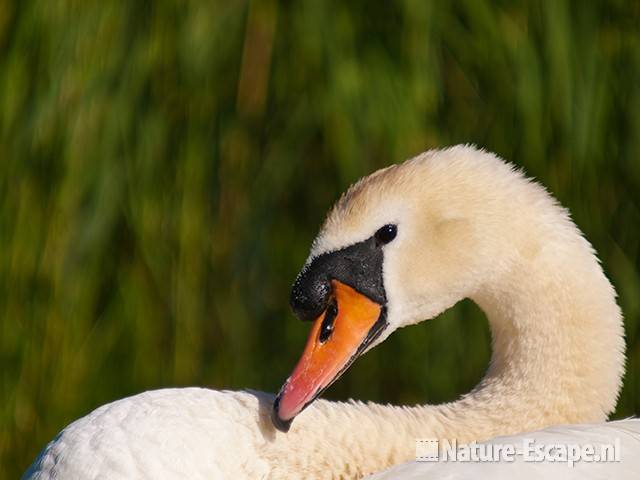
(400, 246)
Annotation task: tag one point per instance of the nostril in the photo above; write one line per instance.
(309, 297)
(330, 315)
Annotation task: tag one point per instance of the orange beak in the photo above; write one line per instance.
(337, 337)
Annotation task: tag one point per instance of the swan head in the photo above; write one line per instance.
(400, 246)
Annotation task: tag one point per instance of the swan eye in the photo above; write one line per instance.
(385, 234)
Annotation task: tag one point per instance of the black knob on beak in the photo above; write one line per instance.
(310, 294)
(358, 265)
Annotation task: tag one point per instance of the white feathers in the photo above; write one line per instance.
(621, 440)
(469, 226)
(174, 433)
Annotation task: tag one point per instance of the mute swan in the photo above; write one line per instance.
(402, 245)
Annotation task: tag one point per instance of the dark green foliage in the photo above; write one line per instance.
(165, 165)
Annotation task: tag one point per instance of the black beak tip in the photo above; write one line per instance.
(282, 425)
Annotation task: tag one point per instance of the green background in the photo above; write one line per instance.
(165, 166)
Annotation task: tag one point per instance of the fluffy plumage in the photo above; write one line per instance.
(469, 226)
(627, 432)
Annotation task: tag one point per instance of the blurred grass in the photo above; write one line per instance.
(165, 165)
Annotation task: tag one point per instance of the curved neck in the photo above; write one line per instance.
(557, 358)
(557, 344)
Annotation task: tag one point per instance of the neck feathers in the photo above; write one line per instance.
(557, 358)
(557, 332)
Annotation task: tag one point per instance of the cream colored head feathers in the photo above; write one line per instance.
(471, 225)
(468, 225)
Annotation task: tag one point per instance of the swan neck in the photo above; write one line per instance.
(557, 343)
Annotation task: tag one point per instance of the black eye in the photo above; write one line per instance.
(385, 234)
